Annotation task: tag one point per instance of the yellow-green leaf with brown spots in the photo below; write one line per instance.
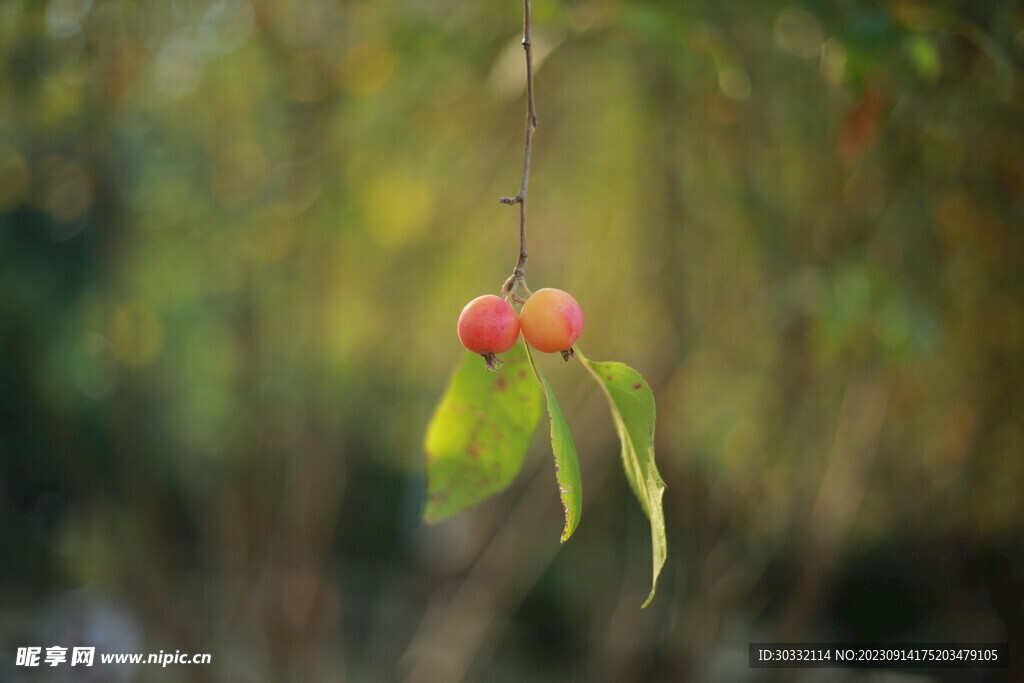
(478, 436)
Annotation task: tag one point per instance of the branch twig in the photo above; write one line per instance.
(518, 277)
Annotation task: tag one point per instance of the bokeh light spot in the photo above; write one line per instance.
(799, 33)
(366, 69)
(136, 335)
(15, 180)
(397, 209)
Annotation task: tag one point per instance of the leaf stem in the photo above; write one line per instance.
(585, 362)
(518, 277)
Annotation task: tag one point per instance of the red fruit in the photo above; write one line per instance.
(488, 325)
(551, 320)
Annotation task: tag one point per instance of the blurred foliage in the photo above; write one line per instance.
(235, 236)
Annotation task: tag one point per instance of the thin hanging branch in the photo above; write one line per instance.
(518, 278)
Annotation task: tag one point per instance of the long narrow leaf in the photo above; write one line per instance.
(567, 462)
(633, 412)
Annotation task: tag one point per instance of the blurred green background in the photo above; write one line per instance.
(235, 237)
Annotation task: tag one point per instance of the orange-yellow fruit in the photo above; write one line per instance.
(551, 320)
(488, 324)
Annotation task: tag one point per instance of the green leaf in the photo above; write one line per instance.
(477, 438)
(632, 406)
(567, 461)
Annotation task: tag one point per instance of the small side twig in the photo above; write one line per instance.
(518, 277)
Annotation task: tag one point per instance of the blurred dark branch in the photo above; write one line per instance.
(460, 627)
(519, 274)
(838, 500)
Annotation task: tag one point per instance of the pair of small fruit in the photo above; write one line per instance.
(550, 321)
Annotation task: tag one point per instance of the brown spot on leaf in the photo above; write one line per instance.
(638, 385)
(501, 384)
(522, 374)
(473, 449)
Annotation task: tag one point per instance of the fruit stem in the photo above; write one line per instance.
(518, 277)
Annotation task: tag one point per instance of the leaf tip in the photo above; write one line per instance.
(433, 509)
